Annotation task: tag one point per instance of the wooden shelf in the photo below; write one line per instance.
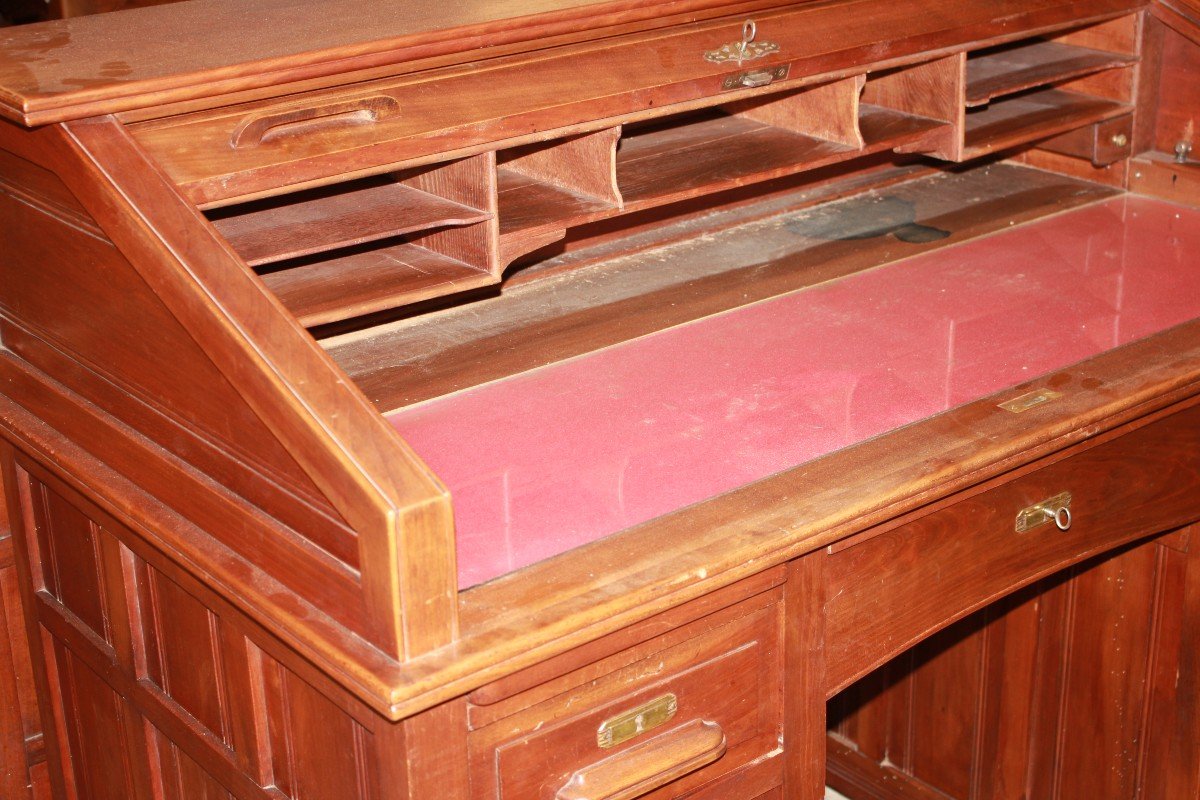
(335, 289)
(326, 219)
(663, 165)
(532, 211)
(1029, 117)
(1007, 70)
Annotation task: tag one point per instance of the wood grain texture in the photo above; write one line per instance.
(1114, 485)
(724, 671)
(828, 111)
(498, 106)
(313, 223)
(1009, 691)
(370, 504)
(933, 90)
(1029, 117)
(1007, 70)
(167, 50)
(531, 326)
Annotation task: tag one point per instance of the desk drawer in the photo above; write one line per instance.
(705, 707)
(891, 591)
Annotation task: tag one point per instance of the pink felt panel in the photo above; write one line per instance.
(549, 460)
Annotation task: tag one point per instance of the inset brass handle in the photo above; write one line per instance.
(645, 767)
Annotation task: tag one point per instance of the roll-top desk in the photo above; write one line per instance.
(565, 400)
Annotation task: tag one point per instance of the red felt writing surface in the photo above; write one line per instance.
(542, 462)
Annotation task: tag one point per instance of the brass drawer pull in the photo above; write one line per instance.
(645, 767)
(754, 78)
(258, 128)
(1057, 510)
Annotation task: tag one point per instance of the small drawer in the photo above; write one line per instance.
(889, 592)
(1103, 143)
(657, 727)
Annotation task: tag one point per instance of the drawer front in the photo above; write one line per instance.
(891, 591)
(659, 727)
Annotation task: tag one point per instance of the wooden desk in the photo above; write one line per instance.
(566, 401)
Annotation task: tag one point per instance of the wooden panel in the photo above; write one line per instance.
(1178, 94)
(945, 685)
(195, 701)
(1171, 762)
(337, 288)
(662, 164)
(20, 728)
(933, 90)
(500, 103)
(318, 752)
(1038, 115)
(101, 728)
(181, 777)
(1136, 484)
(1103, 143)
(183, 657)
(89, 272)
(828, 112)
(71, 569)
(1084, 689)
(1107, 656)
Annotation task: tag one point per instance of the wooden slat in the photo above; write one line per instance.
(1028, 118)
(339, 288)
(320, 220)
(1013, 69)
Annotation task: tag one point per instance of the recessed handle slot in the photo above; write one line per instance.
(259, 128)
(645, 767)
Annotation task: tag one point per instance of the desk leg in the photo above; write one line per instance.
(804, 679)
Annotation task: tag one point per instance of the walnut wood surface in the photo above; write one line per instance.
(308, 224)
(498, 104)
(993, 706)
(167, 50)
(1017, 120)
(1012, 69)
(335, 288)
(1131, 486)
(414, 360)
(231, 565)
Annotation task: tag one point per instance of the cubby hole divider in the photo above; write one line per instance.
(547, 187)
